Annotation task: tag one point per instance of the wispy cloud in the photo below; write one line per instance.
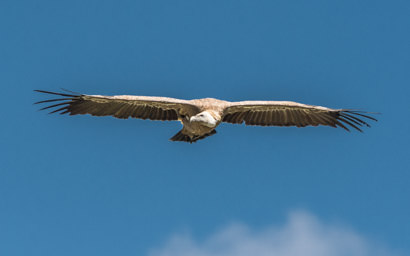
(302, 235)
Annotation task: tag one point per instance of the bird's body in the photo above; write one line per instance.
(206, 119)
(200, 117)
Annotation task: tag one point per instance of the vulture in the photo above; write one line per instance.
(200, 117)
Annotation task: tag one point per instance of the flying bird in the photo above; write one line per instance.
(200, 117)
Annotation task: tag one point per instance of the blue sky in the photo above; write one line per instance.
(81, 185)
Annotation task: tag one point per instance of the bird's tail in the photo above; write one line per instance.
(186, 138)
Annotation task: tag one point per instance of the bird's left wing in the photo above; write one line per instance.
(287, 113)
(120, 106)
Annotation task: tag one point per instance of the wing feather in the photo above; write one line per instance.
(287, 113)
(122, 106)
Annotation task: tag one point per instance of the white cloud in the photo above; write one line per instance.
(302, 235)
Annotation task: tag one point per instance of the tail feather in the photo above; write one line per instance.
(186, 138)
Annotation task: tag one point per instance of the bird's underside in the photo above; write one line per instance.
(200, 117)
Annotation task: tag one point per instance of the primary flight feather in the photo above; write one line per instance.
(200, 117)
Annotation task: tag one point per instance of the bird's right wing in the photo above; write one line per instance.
(120, 106)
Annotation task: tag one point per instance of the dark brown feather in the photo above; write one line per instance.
(154, 108)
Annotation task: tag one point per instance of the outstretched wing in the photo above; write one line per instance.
(121, 106)
(287, 113)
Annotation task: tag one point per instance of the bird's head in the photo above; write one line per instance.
(204, 118)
